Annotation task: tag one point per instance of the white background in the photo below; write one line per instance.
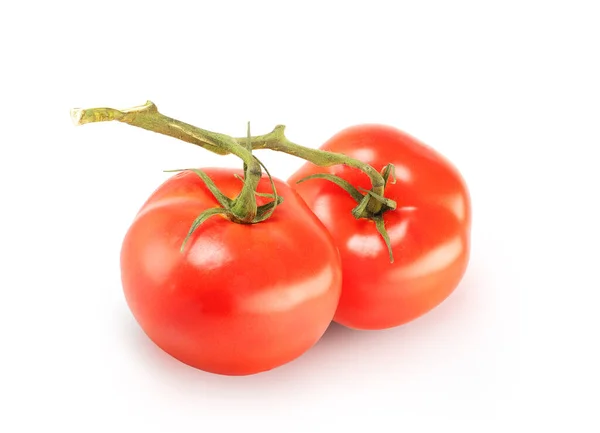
(508, 90)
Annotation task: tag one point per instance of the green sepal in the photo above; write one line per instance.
(200, 219)
(221, 198)
(359, 211)
(264, 194)
(265, 211)
(379, 224)
(259, 194)
(389, 203)
(389, 171)
(342, 183)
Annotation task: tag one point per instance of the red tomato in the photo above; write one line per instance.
(241, 298)
(429, 230)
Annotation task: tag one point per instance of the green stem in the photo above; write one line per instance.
(276, 140)
(146, 116)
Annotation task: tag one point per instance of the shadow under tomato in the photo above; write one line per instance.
(145, 352)
(165, 368)
(337, 351)
(460, 306)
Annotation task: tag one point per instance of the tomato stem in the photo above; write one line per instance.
(243, 208)
(276, 140)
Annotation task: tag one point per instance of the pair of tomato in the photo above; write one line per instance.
(245, 298)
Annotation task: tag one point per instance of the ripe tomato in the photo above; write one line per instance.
(240, 298)
(429, 230)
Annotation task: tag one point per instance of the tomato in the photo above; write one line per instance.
(429, 230)
(240, 298)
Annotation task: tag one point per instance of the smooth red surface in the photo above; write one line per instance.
(241, 298)
(429, 230)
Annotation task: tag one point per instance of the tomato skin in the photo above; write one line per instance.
(429, 230)
(241, 298)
